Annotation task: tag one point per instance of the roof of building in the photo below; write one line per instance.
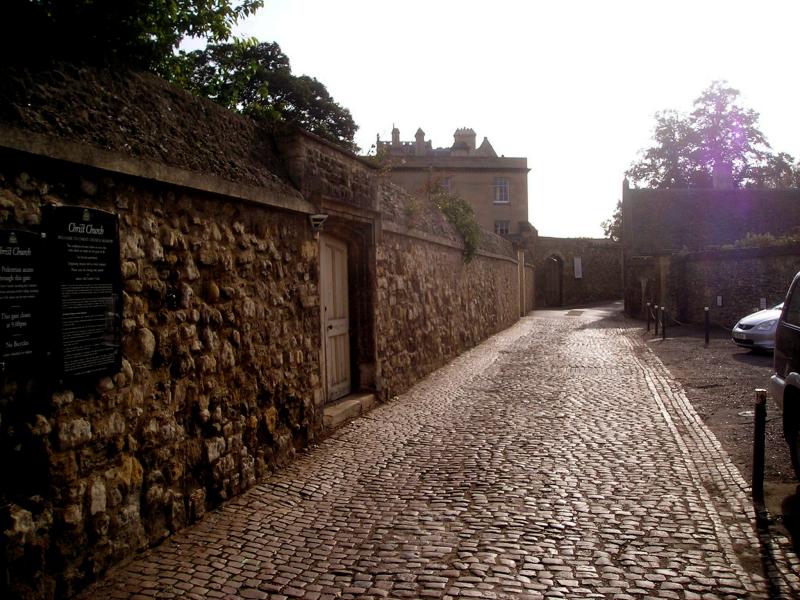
(463, 146)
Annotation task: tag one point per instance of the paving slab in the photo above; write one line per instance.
(558, 459)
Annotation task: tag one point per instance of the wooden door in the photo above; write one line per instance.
(335, 321)
(553, 272)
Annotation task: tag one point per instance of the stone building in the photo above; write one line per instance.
(495, 186)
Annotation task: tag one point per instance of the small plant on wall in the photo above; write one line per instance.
(412, 209)
(461, 214)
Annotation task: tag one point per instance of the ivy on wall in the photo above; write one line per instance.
(461, 214)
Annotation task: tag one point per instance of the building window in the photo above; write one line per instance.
(501, 190)
(445, 184)
(501, 227)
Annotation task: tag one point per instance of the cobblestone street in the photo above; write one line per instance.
(556, 460)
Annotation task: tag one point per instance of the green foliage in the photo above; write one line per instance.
(719, 131)
(412, 208)
(139, 33)
(461, 214)
(380, 158)
(255, 78)
(613, 227)
(765, 240)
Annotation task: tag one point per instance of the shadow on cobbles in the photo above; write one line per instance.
(770, 550)
(790, 507)
(759, 359)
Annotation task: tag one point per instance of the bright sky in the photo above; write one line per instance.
(571, 85)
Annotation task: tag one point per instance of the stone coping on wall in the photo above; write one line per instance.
(433, 239)
(275, 195)
(740, 253)
(138, 114)
(456, 163)
(584, 240)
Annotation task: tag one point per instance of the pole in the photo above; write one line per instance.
(663, 322)
(758, 445)
(648, 316)
(655, 316)
(705, 310)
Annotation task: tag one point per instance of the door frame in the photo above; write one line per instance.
(330, 395)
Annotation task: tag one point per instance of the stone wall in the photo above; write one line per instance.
(680, 251)
(323, 171)
(432, 306)
(220, 380)
(663, 221)
(743, 278)
(601, 277)
(530, 288)
(220, 372)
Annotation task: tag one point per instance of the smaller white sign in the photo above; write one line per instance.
(578, 267)
(719, 300)
(763, 303)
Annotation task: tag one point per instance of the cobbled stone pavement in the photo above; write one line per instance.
(556, 460)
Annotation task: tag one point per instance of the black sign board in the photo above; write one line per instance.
(84, 268)
(20, 316)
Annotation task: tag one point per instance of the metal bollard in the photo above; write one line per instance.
(705, 310)
(663, 322)
(655, 317)
(648, 316)
(759, 432)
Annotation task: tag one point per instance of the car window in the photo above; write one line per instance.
(793, 310)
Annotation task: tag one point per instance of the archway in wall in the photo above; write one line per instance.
(553, 274)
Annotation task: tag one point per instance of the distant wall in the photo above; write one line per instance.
(690, 282)
(601, 277)
(674, 243)
(663, 221)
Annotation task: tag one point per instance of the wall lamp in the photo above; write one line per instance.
(317, 221)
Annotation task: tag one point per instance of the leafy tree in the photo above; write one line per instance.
(139, 33)
(778, 171)
(726, 133)
(255, 78)
(669, 163)
(718, 132)
(613, 227)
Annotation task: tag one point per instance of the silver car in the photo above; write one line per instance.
(758, 330)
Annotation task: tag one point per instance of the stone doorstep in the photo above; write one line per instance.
(348, 408)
